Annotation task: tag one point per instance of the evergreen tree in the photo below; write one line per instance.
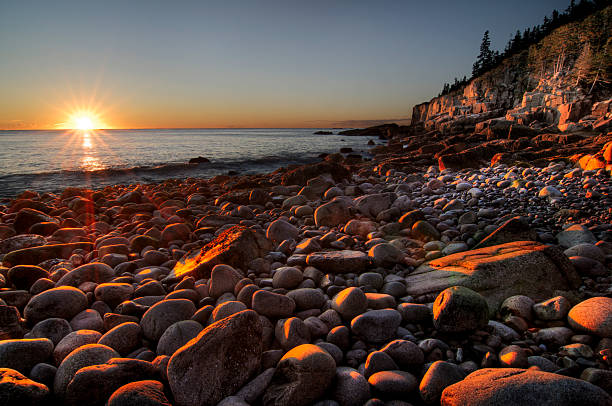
(485, 60)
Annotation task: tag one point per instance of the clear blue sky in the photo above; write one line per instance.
(240, 63)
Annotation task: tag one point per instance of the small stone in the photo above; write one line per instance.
(459, 309)
(552, 309)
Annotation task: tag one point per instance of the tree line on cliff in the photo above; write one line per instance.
(561, 37)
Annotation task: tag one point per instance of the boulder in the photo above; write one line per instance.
(280, 230)
(64, 302)
(96, 272)
(18, 390)
(22, 241)
(236, 246)
(459, 309)
(515, 229)
(94, 384)
(163, 314)
(231, 347)
(141, 393)
(23, 354)
(498, 272)
(593, 316)
(302, 376)
(332, 214)
(513, 386)
(84, 356)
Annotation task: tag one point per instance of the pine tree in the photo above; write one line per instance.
(485, 60)
(584, 63)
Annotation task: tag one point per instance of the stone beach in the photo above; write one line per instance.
(332, 284)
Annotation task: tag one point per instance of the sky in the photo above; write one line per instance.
(251, 63)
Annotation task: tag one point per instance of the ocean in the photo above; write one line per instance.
(49, 161)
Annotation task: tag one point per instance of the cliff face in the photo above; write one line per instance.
(536, 87)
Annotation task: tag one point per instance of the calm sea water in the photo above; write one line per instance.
(48, 161)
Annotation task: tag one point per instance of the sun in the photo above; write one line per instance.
(83, 122)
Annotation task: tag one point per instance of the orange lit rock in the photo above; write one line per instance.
(518, 268)
(236, 246)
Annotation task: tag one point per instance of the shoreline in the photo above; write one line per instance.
(389, 281)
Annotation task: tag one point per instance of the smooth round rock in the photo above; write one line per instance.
(72, 341)
(178, 335)
(351, 388)
(140, 393)
(350, 303)
(54, 329)
(377, 325)
(124, 338)
(22, 354)
(113, 293)
(163, 314)
(302, 376)
(391, 384)
(84, 356)
(272, 305)
(438, 376)
(307, 298)
(593, 316)
(64, 302)
(287, 277)
(459, 309)
(24, 276)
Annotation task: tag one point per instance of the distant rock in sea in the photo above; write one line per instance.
(323, 133)
(199, 160)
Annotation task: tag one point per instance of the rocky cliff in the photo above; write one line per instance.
(561, 83)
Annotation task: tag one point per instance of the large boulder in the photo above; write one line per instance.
(459, 309)
(23, 354)
(163, 314)
(498, 272)
(218, 362)
(141, 393)
(236, 246)
(20, 242)
(302, 376)
(518, 387)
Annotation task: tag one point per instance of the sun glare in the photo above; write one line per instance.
(83, 123)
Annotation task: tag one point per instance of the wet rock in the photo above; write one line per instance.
(232, 346)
